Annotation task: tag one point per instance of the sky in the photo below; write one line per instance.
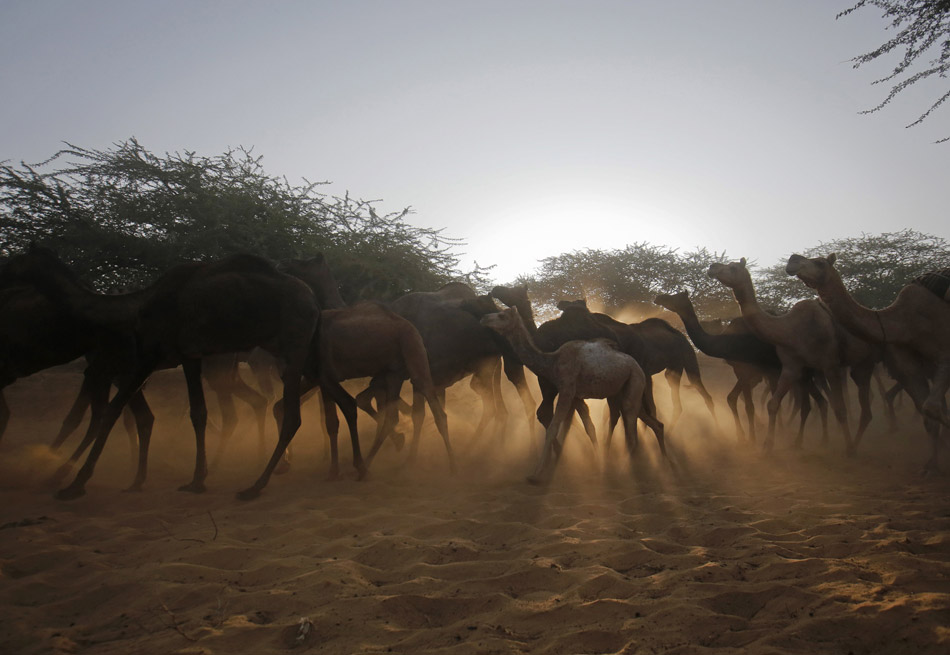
(524, 128)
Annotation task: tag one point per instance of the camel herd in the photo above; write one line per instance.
(206, 317)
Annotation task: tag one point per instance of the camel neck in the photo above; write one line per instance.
(862, 321)
(706, 342)
(538, 362)
(88, 305)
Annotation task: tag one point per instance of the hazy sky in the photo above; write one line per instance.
(525, 128)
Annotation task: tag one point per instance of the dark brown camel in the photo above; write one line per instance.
(459, 346)
(580, 369)
(657, 346)
(752, 360)
(35, 333)
(191, 311)
(369, 340)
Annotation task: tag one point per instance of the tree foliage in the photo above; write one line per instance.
(921, 26)
(123, 215)
(873, 267)
(622, 278)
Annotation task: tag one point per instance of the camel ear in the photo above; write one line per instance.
(742, 261)
(832, 258)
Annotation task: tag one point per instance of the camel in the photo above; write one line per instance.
(914, 332)
(751, 359)
(459, 346)
(367, 340)
(192, 310)
(580, 369)
(657, 346)
(35, 334)
(805, 337)
(549, 337)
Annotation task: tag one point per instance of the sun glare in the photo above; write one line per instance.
(522, 233)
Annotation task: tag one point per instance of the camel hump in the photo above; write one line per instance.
(937, 282)
(243, 263)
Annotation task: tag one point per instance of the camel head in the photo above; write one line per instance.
(813, 272)
(479, 305)
(672, 301)
(511, 296)
(732, 274)
(503, 322)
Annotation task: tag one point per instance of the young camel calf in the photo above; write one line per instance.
(580, 369)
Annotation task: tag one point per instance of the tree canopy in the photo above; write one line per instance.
(627, 277)
(122, 216)
(922, 30)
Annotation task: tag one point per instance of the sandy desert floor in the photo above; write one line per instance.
(719, 550)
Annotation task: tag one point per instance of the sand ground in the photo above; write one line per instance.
(719, 550)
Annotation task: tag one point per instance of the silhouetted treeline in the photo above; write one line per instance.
(123, 215)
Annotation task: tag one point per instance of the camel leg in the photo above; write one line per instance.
(890, 398)
(583, 412)
(76, 412)
(935, 406)
(565, 403)
(110, 415)
(258, 404)
(673, 378)
(332, 423)
(98, 399)
(390, 415)
(814, 391)
(786, 381)
(732, 399)
(862, 378)
(516, 376)
(144, 420)
(804, 406)
(482, 383)
(199, 420)
(749, 401)
(4, 413)
(436, 406)
(500, 410)
(614, 411)
(836, 389)
(697, 381)
(290, 404)
(649, 418)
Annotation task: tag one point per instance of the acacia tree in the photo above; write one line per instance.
(122, 216)
(628, 277)
(921, 25)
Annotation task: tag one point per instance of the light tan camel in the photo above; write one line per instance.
(580, 369)
(806, 337)
(914, 330)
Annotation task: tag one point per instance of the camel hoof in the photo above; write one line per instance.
(70, 493)
(283, 466)
(249, 494)
(333, 474)
(193, 487)
(851, 452)
(136, 487)
(537, 480)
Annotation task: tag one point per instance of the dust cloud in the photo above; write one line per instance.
(717, 548)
